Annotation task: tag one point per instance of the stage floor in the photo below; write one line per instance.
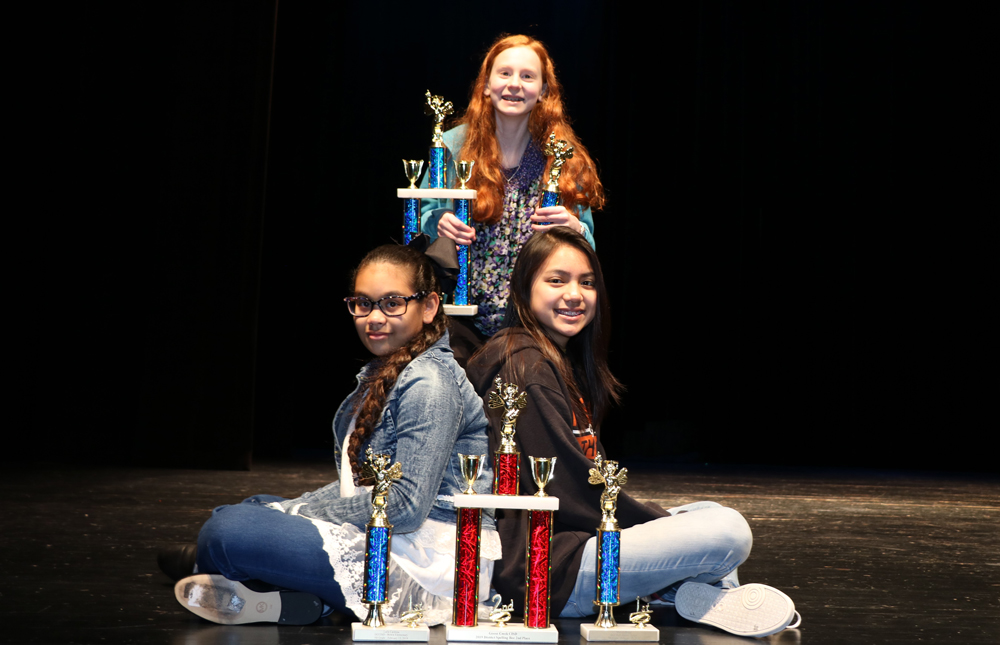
(868, 557)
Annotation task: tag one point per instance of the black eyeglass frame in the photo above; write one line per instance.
(378, 303)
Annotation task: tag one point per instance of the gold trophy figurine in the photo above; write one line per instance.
(439, 109)
(560, 151)
(437, 170)
(639, 617)
(413, 615)
(500, 614)
(607, 473)
(512, 403)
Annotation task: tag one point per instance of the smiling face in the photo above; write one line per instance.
(382, 334)
(515, 82)
(564, 295)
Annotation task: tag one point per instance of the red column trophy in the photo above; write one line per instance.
(378, 537)
(457, 303)
(608, 564)
(536, 627)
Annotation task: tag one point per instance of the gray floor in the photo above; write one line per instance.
(868, 557)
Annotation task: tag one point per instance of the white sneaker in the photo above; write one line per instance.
(227, 602)
(751, 610)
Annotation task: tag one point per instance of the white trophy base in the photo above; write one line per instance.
(529, 502)
(399, 632)
(628, 632)
(461, 310)
(435, 193)
(509, 633)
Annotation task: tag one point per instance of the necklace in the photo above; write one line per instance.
(520, 162)
(517, 169)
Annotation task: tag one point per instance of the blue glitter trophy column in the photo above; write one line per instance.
(463, 211)
(561, 151)
(608, 560)
(411, 205)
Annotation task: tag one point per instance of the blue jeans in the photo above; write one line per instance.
(250, 541)
(699, 542)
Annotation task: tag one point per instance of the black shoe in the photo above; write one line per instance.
(178, 561)
(227, 602)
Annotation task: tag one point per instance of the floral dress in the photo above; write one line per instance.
(496, 247)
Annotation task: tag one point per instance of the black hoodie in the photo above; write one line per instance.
(545, 429)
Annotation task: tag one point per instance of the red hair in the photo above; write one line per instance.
(579, 184)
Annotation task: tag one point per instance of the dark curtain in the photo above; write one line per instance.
(799, 239)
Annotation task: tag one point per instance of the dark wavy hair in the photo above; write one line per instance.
(384, 370)
(584, 365)
(578, 183)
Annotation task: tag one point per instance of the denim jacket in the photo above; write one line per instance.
(431, 414)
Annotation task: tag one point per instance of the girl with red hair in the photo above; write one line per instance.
(516, 103)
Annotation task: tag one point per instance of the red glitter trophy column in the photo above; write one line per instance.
(506, 460)
(537, 566)
(470, 521)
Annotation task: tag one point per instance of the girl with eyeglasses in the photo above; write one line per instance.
(554, 346)
(515, 104)
(271, 559)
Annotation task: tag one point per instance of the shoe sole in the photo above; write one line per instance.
(751, 610)
(227, 602)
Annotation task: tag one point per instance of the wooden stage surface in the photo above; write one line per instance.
(867, 556)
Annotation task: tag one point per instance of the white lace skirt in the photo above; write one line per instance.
(421, 568)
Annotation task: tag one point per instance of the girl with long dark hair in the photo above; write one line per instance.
(554, 346)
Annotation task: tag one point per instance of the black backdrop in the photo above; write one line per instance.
(799, 241)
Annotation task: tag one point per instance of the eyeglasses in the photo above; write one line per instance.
(359, 306)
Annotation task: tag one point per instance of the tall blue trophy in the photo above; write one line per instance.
(609, 540)
(457, 303)
(378, 539)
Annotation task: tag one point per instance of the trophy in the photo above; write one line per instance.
(537, 565)
(462, 211)
(439, 109)
(467, 536)
(608, 558)
(378, 536)
(560, 151)
(437, 182)
(411, 205)
(506, 459)
(536, 627)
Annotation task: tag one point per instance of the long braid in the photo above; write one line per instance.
(387, 369)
